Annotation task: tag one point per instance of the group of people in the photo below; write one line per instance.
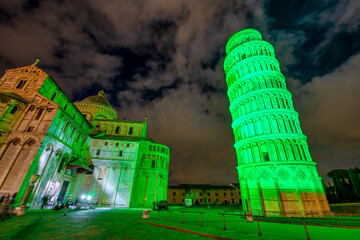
(58, 206)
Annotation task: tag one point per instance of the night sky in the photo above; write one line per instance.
(163, 59)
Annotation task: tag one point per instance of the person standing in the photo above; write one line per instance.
(44, 200)
(66, 207)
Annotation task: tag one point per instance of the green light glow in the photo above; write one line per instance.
(276, 173)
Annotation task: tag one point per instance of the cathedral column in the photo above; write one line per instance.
(73, 186)
(104, 187)
(118, 183)
(42, 172)
(79, 185)
(52, 175)
(93, 178)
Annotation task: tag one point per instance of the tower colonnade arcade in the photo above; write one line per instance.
(276, 173)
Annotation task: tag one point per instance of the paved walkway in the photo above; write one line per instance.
(128, 224)
(86, 224)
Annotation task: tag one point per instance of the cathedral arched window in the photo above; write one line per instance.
(21, 84)
(61, 165)
(117, 130)
(14, 109)
(91, 166)
(53, 97)
(131, 130)
(38, 114)
(266, 156)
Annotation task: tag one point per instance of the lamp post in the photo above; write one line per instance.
(21, 210)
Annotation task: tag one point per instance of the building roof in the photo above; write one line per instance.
(97, 106)
(97, 99)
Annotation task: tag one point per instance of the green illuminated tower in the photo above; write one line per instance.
(276, 173)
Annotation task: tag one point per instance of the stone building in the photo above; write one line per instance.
(75, 149)
(204, 194)
(276, 173)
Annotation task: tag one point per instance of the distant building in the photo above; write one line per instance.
(76, 149)
(346, 186)
(204, 194)
(276, 173)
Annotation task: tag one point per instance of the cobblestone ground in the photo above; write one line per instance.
(87, 224)
(128, 224)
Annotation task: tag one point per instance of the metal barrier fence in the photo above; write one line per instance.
(297, 220)
(201, 213)
(293, 213)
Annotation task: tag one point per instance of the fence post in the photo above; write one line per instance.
(182, 217)
(158, 215)
(201, 219)
(224, 222)
(169, 216)
(307, 233)
(257, 219)
(342, 223)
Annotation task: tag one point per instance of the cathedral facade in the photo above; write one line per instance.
(74, 149)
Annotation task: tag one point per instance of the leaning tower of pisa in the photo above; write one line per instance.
(276, 173)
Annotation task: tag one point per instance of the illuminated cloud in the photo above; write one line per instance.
(163, 59)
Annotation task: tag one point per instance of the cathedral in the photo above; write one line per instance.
(69, 151)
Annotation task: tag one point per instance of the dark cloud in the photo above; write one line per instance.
(329, 113)
(163, 59)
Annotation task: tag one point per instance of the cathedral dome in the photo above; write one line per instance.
(97, 99)
(96, 107)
